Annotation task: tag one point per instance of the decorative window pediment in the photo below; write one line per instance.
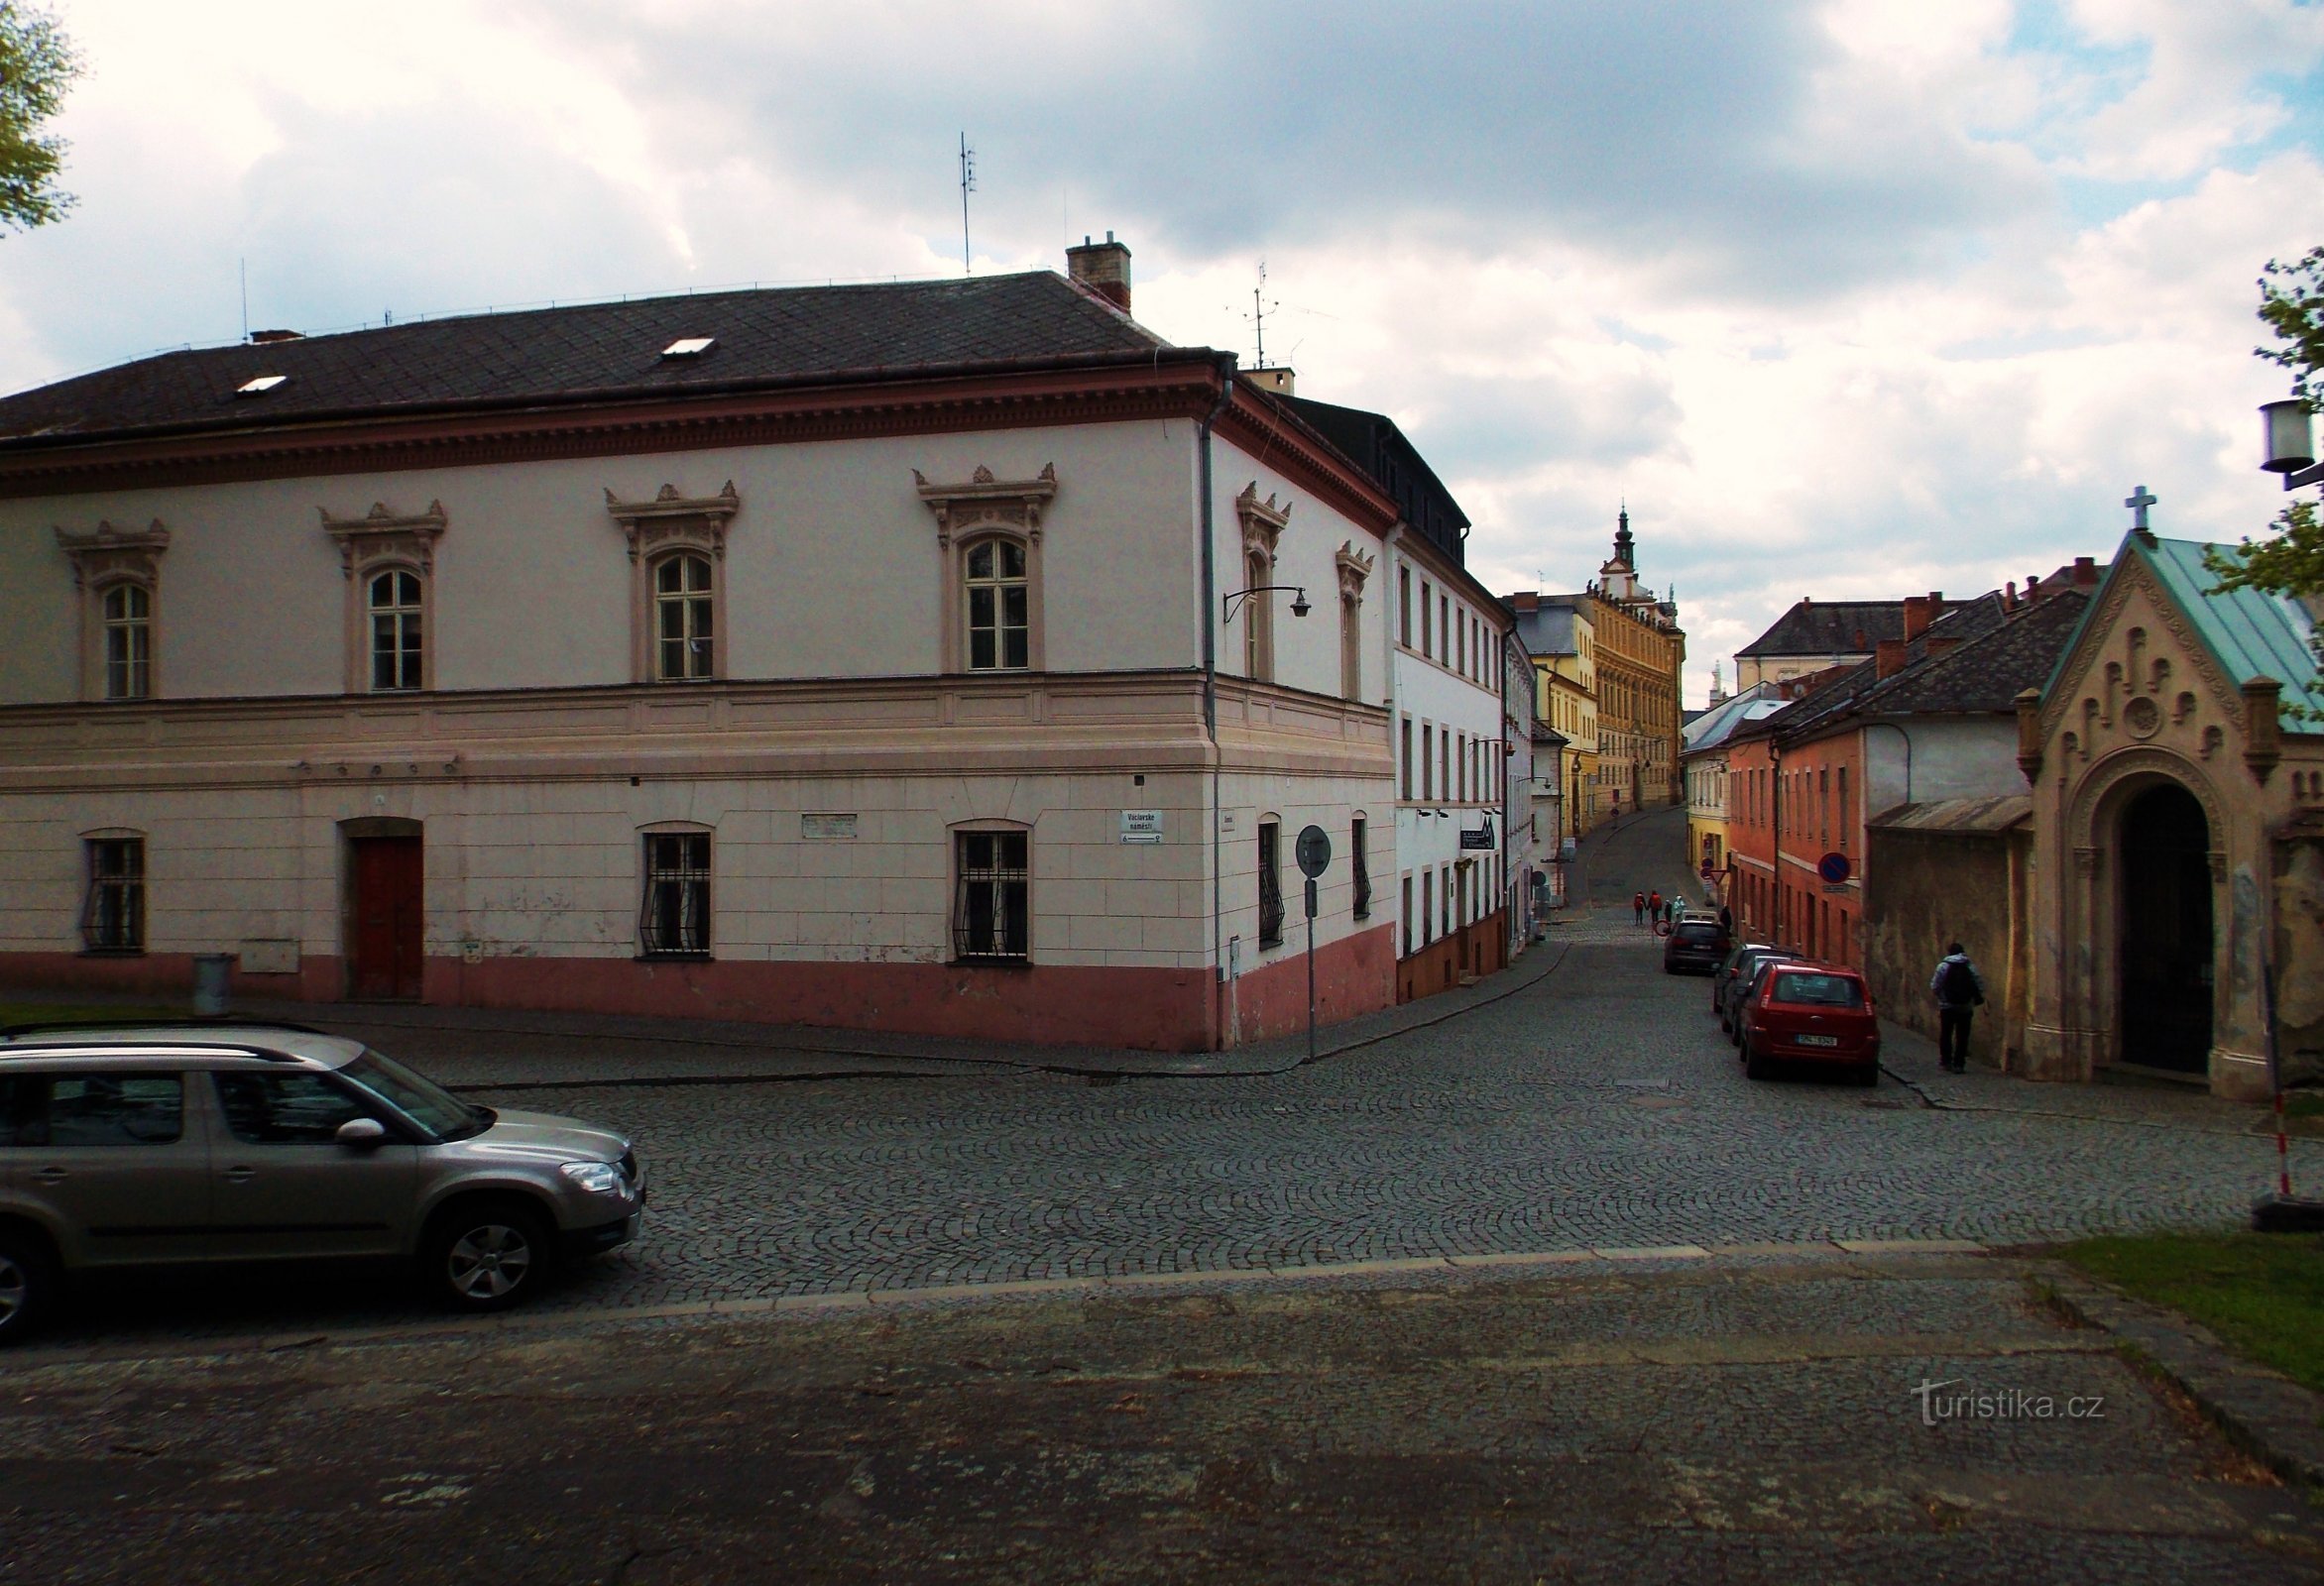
(670, 518)
(114, 553)
(988, 502)
(1263, 521)
(1355, 567)
(381, 535)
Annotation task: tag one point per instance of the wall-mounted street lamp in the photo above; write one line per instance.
(2291, 443)
(1299, 604)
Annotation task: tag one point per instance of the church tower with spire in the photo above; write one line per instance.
(1618, 578)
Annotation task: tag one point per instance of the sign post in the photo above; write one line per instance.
(1314, 853)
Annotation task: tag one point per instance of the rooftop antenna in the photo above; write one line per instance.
(1261, 307)
(244, 264)
(968, 186)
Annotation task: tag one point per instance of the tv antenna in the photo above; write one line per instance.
(1261, 307)
(968, 186)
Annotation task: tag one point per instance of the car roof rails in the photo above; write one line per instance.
(98, 1026)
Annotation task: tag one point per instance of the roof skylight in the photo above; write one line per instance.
(260, 385)
(688, 347)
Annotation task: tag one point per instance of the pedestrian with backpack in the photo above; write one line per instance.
(1654, 906)
(1959, 992)
(1638, 908)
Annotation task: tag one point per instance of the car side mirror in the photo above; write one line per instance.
(362, 1134)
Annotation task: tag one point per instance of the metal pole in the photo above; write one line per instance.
(1311, 956)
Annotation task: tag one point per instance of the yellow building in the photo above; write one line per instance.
(1558, 633)
(1639, 649)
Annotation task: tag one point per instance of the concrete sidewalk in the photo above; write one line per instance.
(486, 1048)
(1910, 1059)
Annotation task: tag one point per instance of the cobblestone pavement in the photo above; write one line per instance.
(1739, 1420)
(1599, 1107)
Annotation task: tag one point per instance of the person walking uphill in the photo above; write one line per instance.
(1654, 907)
(1638, 908)
(1959, 992)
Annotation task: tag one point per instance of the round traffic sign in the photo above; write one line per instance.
(1835, 868)
(1314, 851)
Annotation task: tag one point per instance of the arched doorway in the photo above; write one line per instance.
(2166, 947)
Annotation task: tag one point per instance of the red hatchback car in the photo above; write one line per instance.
(1815, 1013)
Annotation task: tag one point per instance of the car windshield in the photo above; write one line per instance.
(1699, 933)
(422, 1101)
(1819, 990)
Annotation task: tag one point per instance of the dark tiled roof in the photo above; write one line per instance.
(1996, 654)
(590, 352)
(1830, 627)
(1374, 444)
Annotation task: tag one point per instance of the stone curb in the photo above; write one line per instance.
(858, 1300)
(2263, 1412)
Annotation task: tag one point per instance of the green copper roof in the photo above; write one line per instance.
(2249, 634)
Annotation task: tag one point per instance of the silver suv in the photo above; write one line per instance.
(173, 1144)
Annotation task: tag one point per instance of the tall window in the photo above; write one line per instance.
(1406, 769)
(1445, 629)
(674, 918)
(681, 619)
(1361, 868)
(1270, 884)
(992, 913)
(1844, 822)
(394, 631)
(1428, 761)
(1258, 623)
(1350, 650)
(1460, 648)
(999, 607)
(1407, 915)
(129, 642)
(1428, 644)
(112, 919)
(1428, 907)
(1404, 606)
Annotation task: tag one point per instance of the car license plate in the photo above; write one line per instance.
(1820, 1040)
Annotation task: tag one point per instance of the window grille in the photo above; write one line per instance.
(1362, 870)
(682, 619)
(999, 607)
(992, 916)
(1270, 886)
(112, 919)
(674, 916)
(129, 642)
(395, 632)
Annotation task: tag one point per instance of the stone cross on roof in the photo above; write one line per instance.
(2138, 501)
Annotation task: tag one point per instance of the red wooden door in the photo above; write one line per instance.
(387, 902)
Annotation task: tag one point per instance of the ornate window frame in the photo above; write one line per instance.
(666, 525)
(1353, 568)
(988, 508)
(382, 541)
(1263, 523)
(103, 561)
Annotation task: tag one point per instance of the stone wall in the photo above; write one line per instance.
(1928, 889)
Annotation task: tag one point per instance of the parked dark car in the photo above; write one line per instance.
(1732, 980)
(1809, 1013)
(1696, 946)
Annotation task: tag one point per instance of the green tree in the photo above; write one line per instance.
(36, 65)
(2291, 562)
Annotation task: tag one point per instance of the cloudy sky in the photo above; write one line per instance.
(1854, 299)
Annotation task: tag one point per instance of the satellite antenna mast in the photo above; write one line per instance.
(1260, 308)
(968, 186)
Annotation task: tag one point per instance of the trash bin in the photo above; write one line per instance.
(209, 983)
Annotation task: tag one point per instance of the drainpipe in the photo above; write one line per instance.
(1219, 991)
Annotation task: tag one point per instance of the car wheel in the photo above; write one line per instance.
(487, 1255)
(1868, 1074)
(28, 1284)
(1755, 1064)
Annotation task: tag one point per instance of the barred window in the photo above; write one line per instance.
(991, 914)
(999, 606)
(394, 631)
(129, 642)
(674, 918)
(112, 920)
(682, 619)
(1362, 870)
(1270, 884)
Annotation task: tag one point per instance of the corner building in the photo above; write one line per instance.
(854, 656)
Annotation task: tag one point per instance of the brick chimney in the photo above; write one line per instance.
(2085, 571)
(1275, 378)
(1888, 658)
(1916, 620)
(1525, 600)
(1104, 268)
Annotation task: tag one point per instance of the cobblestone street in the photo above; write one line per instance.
(1597, 1108)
